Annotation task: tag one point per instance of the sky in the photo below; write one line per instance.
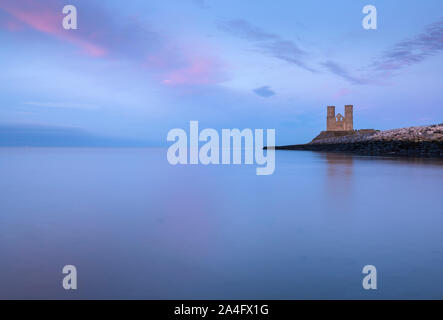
(133, 70)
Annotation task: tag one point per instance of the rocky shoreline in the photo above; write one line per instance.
(424, 141)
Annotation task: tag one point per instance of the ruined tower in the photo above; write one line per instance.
(349, 118)
(339, 122)
(330, 119)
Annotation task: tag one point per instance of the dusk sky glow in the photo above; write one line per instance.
(136, 69)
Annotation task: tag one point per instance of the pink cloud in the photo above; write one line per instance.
(170, 63)
(199, 71)
(341, 93)
(175, 67)
(46, 17)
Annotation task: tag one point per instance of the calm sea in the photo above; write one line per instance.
(137, 227)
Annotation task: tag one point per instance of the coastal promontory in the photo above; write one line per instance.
(340, 136)
(423, 141)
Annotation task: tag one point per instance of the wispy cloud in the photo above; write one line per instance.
(243, 29)
(288, 51)
(412, 51)
(401, 55)
(340, 71)
(268, 43)
(264, 92)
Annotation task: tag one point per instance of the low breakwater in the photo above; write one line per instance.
(424, 141)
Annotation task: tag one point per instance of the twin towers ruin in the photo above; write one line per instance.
(339, 122)
(339, 125)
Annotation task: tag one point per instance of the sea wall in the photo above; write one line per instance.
(433, 133)
(424, 141)
(332, 135)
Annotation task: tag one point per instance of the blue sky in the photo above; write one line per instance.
(136, 69)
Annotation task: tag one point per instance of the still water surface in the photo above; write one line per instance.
(137, 227)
